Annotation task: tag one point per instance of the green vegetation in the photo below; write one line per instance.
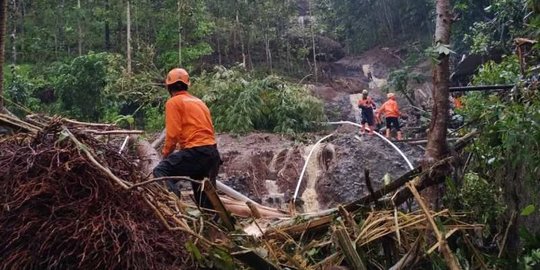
(240, 103)
(505, 156)
(360, 25)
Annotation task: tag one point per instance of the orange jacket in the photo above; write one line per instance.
(366, 103)
(187, 123)
(389, 109)
(457, 103)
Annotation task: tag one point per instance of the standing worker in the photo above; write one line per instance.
(366, 104)
(390, 110)
(188, 125)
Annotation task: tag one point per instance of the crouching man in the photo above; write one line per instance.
(188, 125)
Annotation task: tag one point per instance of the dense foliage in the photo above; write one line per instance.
(505, 156)
(241, 104)
(260, 34)
(361, 24)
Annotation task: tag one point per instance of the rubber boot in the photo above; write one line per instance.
(399, 136)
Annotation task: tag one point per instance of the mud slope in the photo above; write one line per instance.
(262, 166)
(344, 181)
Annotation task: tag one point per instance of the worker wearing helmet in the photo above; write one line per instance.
(391, 111)
(188, 125)
(366, 104)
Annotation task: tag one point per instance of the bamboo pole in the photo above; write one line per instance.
(211, 193)
(448, 256)
(347, 247)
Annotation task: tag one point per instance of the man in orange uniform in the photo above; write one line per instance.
(188, 125)
(390, 110)
(366, 104)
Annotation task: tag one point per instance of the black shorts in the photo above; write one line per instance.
(392, 122)
(196, 163)
(368, 117)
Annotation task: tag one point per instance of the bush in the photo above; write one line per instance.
(240, 103)
(81, 84)
(491, 73)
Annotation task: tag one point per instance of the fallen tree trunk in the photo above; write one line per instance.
(159, 140)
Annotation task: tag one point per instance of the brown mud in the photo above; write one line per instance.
(266, 167)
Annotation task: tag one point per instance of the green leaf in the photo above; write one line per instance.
(191, 248)
(528, 210)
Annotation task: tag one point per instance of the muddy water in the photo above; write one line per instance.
(313, 171)
(376, 82)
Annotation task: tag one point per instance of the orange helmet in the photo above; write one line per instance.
(177, 75)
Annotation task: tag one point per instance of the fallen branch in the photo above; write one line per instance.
(409, 257)
(393, 186)
(75, 122)
(254, 260)
(113, 132)
(15, 122)
(510, 223)
(217, 204)
(433, 176)
(348, 249)
(448, 256)
(105, 170)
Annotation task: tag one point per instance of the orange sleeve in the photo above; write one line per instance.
(381, 110)
(172, 118)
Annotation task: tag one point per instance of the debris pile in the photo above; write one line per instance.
(70, 200)
(60, 209)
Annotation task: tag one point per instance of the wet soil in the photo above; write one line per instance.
(256, 162)
(343, 181)
(266, 167)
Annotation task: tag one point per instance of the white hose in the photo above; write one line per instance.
(306, 164)
(380, 136)
(233, 193)
(123, 145)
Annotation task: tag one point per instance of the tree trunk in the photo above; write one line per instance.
(107, 29)
(241, 38)
(218, 49)
(79, 27)
(128, 39)
(117, 47)
(60, 41)
(267, 50)
(437, 147)
(179, 11)
(13, 36)
(3, 18)
(315, 69)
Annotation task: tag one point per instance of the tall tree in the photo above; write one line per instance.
(128, 37)
(13, 36)
(437, 147)
(3, 18)
(79, 27)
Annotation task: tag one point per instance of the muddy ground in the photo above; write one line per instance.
(266, 167)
